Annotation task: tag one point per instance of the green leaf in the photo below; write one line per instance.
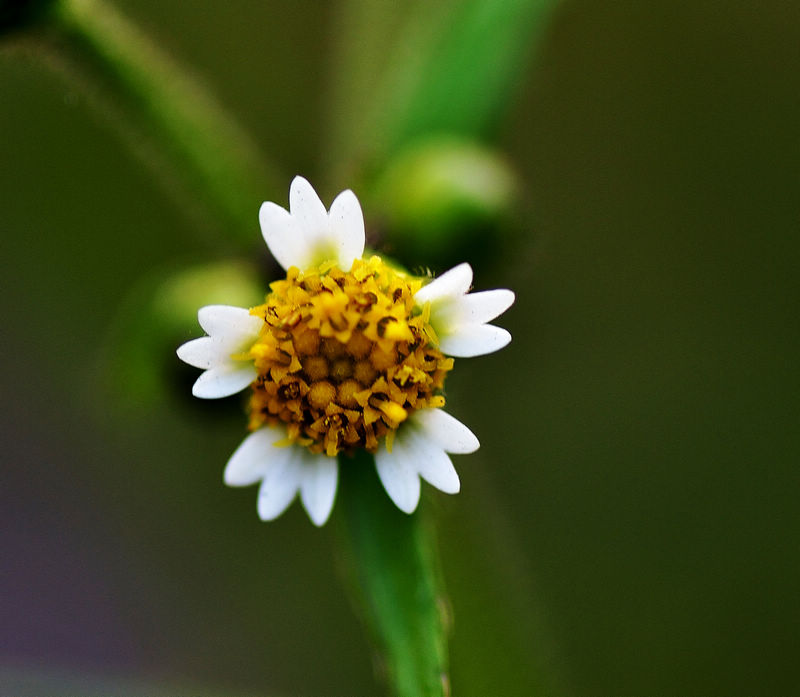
(453, 69)
(393, 564)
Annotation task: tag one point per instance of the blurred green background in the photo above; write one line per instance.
(630, 524)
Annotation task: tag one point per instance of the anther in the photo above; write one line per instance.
(292, 320)
(381, 329)
(366, 299)
(290, 391)
(282, 357)
(393, 411)
(334, 421)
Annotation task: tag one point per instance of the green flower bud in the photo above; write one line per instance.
(445, 199)
(158, 315)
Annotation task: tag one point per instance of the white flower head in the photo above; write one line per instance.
(345, 353)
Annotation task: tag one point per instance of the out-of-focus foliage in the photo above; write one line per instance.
(159, 315)
(446, 69)
(168, 117)
(466, 73)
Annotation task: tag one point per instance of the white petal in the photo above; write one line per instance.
(280, 484)
(445, 430)
(474, 340)
(398, 475)
(318, 486)
(346, 224)
(212, 351)
(224, 380)
(450, 284)
(308, 210)
(226, 320)
(479, 308)
(253, 458)
(283, 236)
(433, 464)
(201, 353)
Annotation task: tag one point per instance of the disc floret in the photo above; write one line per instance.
(344, 358)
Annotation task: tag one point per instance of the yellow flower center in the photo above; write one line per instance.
(344, 358)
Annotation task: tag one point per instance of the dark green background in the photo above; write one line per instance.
(630, 524)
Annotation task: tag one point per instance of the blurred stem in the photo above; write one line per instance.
(449, 68)
(471, 73)
(364, 40)
(202, 144)
(393, 564)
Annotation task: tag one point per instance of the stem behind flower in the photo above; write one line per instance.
(200, 141)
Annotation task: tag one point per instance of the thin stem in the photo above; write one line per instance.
(201, 143)
(392, 565)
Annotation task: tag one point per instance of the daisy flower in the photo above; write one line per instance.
(345, 353)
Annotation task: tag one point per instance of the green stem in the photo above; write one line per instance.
(200, 142)
(393, 563)
(446, 68)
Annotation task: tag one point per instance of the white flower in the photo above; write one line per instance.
(307, 235)
(460, 318)
(231, 331)
(291, 452)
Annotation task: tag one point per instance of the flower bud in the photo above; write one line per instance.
(445, 199)
(159, 314)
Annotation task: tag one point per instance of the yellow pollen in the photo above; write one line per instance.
(394, 411)
(344, 358)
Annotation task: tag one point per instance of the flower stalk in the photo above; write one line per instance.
(391, 562)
